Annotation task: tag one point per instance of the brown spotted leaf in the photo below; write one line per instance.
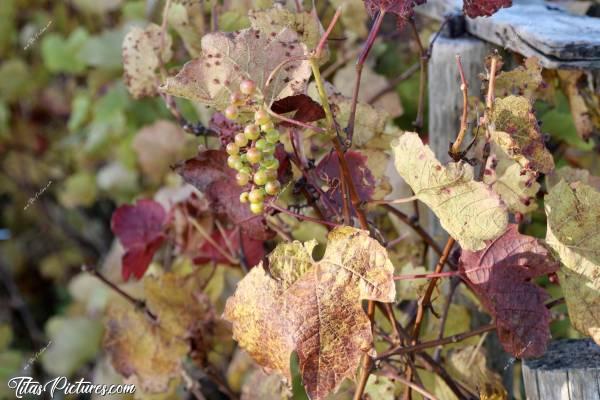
(484, 8)
(228, 58)
(318, 308)
(468, 210)
(501, 277)
(573, 211)
(525, 80)
(147, 351)
(517, 132)
(142, 57)
(583, 102)
(516, 187)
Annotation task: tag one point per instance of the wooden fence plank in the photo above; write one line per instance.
(533, 28)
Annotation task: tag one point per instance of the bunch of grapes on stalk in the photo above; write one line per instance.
(252, 153)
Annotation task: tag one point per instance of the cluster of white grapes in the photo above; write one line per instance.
(252, 153)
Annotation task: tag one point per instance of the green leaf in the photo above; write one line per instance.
(104, 50)
(61, 55)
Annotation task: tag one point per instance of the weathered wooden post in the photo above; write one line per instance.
(570, 370)
(560, 40)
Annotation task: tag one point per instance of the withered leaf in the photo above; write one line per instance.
(209, 173)
(516, 187)
(484, 8)
(187, 18)
(307, 110)
(525, 80)
(517, 132)
(273, 20)
(501, 277)
(318, 308)
(573, 212)
(468, 210)
(141, 58)
(583, 102)
(146, 351)
(228, 58)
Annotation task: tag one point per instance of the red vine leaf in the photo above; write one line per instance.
(140, 229)
(225, 128)
(501, 276)
(484, 8)
(209, 173)
(253, 249)
(404, 9)
(307, 110)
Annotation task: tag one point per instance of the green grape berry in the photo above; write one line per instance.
(247, 87)
(272, 187)
(251, 132)
(244, 197)
(256, 196)
(253, 155)
(272, 164)
(238, 164)
(260, 144)
(246, 170)
(242, 178)
(260, 177)
(272, 136)
(241, 140)
(232, 149)
(269, 148)
(257, 208)
(267, 126)
(236, 98)
(262, 117)
(231, 112)
(232, 161)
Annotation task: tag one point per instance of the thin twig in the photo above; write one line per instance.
(423, 61)
(464, 87)
(394, 82)
(284, 210)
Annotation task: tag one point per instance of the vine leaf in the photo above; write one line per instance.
(484, 8)
(583, 102)
(306, 109)
(572, 175)
(209, 173)
(318, 305)
(525, 80)
(187, 18)
(148, 352)
(517, 132)
(271, 21)
(516, 187)
(403, 9)
(501, 277)
(140, 229)
(367, 169)
(468, 210)
(573, 217)
(228, 58)
(253, 249)
(141, 58)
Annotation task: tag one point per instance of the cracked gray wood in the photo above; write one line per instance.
(533, 28)
(570, 370)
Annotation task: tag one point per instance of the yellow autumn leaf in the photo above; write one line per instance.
(468, 210)
(515, 186)
(142, 56)
(148, 350)
(317, 313)
(517, 132)
(573, 212)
